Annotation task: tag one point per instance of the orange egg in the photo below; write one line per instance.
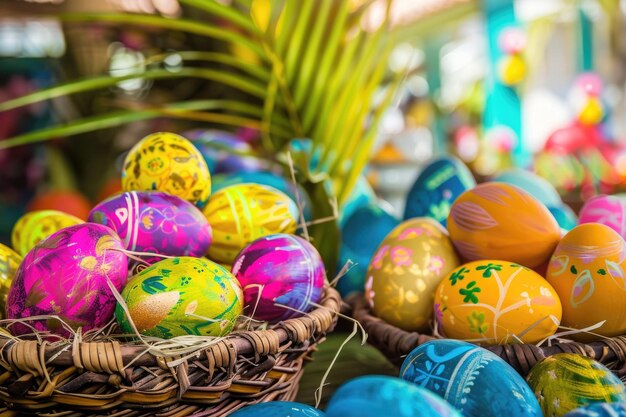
(587, 271)
(494, 301)
(67, 201)
(501, 221)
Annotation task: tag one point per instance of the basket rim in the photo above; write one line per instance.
(396, 343)
(114, 356)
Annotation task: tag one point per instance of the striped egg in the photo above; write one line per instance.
(242, 213)
(566, 381)
(277, 271)
(35, 226)
(156, 222)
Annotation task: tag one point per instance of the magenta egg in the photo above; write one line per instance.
(66, 275)
(156, 222)
(276, 271)
(608, 210)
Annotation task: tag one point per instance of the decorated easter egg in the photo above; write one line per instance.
(607, 210)
(242, 213)
(278, 409)
(181, 296)
(9, 262)
(360, 236)
(68, 275)
(270, 179)
(170, 163)
(153, 221)
(437, 187)
(587, 271)
(35, 226)
(564, 216)
(472, 379)
(600, 410)
(405, 271)
(225, 152)
(566, 381)
(496, 302)
(537, 186)
(276, 271)
(375, 396)
(501, 221)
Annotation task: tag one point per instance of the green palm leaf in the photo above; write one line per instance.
(311, 73)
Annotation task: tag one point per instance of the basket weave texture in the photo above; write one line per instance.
(121, 379)
(396, 343)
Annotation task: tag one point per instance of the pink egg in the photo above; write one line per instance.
(608, 210)
(66, 275)
(279, 270)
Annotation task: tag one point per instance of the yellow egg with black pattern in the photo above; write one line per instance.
(496, 302)
(405, 270)
(242, 213)
(170, 163)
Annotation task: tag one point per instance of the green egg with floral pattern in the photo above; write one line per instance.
(181, 296)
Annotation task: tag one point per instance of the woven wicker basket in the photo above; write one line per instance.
(396, 343)
(87, 379)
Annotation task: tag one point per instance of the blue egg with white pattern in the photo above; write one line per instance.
(278, 409)
(474, 380)
(377, 396)
(270, 179)
(533, 184)
(360, 236)
(565, 216)
(437, 187)
(600, 410)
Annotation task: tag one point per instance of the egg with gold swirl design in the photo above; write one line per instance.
(181, 296)
(566, 381)
(170, 163)
(501, 221)
(9, 262)
(496, 302)
(35, 226)
(242, 213)
(404, 273)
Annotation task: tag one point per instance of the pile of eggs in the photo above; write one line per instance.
(165, 257)
(501, 262)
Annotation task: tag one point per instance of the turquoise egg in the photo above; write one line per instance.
(378, 396)
(362, 194)
(360, 236)
(278, 409)
(437, 187)
(532, 183)
(600, 410)
(472, 379)
(565, 216)
(266, 178)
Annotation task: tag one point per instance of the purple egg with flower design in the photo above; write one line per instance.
(67, 275)
(156, 222)
(276, 271)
